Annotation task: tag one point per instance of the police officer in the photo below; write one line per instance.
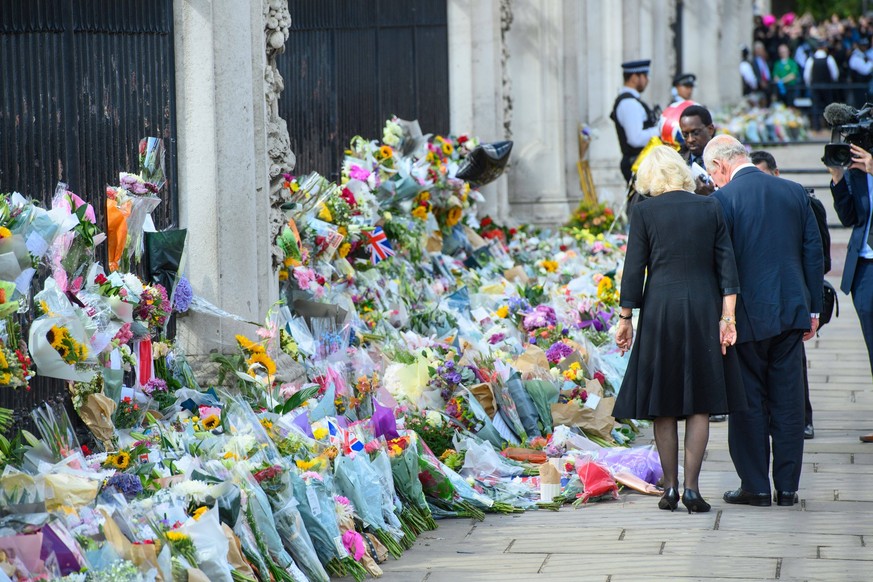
(683, 87)
(635, 122)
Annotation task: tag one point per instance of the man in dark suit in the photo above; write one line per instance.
(852, 201)
(779, 258)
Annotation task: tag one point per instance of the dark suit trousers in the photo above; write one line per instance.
(773, 378)
(862, 298)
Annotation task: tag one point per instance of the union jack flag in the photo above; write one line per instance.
(380, 247)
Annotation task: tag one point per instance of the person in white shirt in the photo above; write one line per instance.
(861, 67)
(635, 122)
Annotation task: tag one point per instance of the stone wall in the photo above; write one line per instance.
(563, 63)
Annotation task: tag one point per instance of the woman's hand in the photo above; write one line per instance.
(727, 334)
(624, 335)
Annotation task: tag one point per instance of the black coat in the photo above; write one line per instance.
(676, 367)
(778, 252)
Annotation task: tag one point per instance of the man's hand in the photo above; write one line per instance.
(812, 329)
(861, 160)
(703, 188)
(837, 173)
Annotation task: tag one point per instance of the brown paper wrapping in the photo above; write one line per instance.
(573, 358)
(598, 422)
(196, 575)
(532, 359)
(476, 241)
(367, 561)
(434, 242)
(485, 396)
(516, 274)
(549, 474)
(145, 556)
(234, 553)
(628, 479)
(96, 413)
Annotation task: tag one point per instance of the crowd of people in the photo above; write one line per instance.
(804, 63)
(721, 325)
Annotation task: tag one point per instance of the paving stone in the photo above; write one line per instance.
(820, 569)
(663, 567)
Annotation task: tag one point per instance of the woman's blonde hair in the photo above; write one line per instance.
(663, 170)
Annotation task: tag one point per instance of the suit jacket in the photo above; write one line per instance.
(778, 252)
(852, 204)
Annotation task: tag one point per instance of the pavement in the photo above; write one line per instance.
(828, 536)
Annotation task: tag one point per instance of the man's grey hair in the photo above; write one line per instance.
(724, 148)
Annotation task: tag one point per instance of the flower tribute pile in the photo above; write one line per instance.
(424, 364)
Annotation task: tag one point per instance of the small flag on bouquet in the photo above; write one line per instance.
(380, 247)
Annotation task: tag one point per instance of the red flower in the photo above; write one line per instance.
(347, 195)
(85, 450)
(100, 279)
(486, 221)
(462, 139)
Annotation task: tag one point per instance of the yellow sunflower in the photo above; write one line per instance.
(55, 336)
(385, 152)
(454, 216)
(211, 422)
(264, 360)
(121, 460)
(448, 148)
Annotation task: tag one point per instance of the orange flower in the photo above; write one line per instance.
(385, 152)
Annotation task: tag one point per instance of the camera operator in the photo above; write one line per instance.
(853, 199)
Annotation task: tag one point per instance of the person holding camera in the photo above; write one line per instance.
(853, 199)
(779, 306)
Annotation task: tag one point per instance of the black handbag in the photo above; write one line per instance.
(829, 304)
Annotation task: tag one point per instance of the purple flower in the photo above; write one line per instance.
(450, 365)
(557, 352)
(183, 296)
(154, 385)
(128, 485)
(541, 316)
(496, 338)
(455, 378)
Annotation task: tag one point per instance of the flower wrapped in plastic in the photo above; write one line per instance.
(127, 208)
(466, 410)
(439, 488)
(356, 479)
(73, 252)
(403, 453)
(295, 537)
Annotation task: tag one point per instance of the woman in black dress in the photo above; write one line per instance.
(682, 365)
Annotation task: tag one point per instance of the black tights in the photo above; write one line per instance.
(667, 440)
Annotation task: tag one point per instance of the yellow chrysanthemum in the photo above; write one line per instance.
(199, 512)
(211, 422)
(343, 231)
(5, 232)
(550, 266)
(344, 250)
(420, 212)
(176, 536)
(5, 378)
(264, 360)
(424, 197)
(319, 433)
(304, 465)
(503, 311)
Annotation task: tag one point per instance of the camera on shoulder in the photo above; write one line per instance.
(850, 126)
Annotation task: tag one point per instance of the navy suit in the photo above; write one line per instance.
(852, 203)
(778, 251)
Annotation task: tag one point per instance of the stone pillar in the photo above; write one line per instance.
(476, 91)
(225, 165)
(538, 186)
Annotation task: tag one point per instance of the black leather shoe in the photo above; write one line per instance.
(808, 432)
(670, 499)
(692, 500)
(740, 497)
(786, 498)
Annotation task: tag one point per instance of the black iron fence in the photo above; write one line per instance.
(82, 82)
(349, 65)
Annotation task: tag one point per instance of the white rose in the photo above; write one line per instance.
(434, 418)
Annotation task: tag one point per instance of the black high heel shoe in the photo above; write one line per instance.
(694, 502)
(670, 499)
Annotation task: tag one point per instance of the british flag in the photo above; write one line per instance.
(380, 247)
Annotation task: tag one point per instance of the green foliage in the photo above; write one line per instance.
(823, 9)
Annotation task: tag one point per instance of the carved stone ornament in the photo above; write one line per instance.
(277, 26)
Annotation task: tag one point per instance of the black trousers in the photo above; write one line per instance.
(862, 298)
(773, 378)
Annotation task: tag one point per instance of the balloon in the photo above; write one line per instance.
(669, 122)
